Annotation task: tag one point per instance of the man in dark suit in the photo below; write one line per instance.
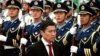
(46, 46)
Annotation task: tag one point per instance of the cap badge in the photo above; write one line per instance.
(58, 5)
(35, 3)
(12, 2)
(82, 8)
(68, 3)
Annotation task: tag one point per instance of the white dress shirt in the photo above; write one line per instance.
(46, 45)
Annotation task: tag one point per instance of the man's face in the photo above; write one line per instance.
(25, 7)
(85, 19)
(60, 16)
(47, 11)
(13, 12)
(0, 5)
(69, 14)
(36, 13)
(49, 34)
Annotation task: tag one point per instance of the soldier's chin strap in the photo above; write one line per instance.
(22, 46)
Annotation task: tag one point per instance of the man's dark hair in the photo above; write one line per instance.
(45, 24)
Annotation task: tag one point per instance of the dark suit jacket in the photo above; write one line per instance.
(38, 49)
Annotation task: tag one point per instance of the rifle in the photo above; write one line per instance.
(74, 43)
(77, 24)
(23, 34)
(22, 45)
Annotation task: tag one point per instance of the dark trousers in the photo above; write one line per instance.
(12, 52)
(2, 51)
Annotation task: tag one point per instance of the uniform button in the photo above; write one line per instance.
(85, 38)
(59, 37)
(12, 28)
(36, 33)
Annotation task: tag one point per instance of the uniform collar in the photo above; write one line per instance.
(60, 26)
(93, 21)
(68, 19)
(14, 20)
(36, 23)
(85, 29)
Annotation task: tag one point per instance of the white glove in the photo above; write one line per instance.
(23, 41)
(73, 49)
(3, 38)
(22, 25)
(73, 30)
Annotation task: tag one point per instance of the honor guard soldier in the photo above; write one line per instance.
(26, 7)
(11, 29)
(32, 30)
(26, 15)
(71, 10)
(60, 11)
(96, 20)
(85, 35)
(48, 8)
(70, 20)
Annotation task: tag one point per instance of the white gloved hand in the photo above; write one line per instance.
(73, 30)
(22, 25)
(3, 38)
(23, 41)
(73, 49)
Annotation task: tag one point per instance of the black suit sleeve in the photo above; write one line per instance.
(31, 51)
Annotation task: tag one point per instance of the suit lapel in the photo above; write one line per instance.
(43, 49)
(57, 50)
(54, 50)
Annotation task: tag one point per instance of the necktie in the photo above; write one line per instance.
(50, 50)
